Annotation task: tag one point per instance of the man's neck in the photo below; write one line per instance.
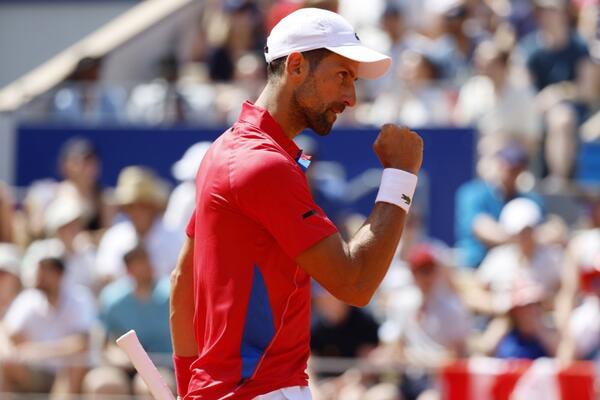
(53, 297)
(276, 101)
(144, 291)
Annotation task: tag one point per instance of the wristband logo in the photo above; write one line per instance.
(406, 199)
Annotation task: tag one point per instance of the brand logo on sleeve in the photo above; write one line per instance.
(308, 214)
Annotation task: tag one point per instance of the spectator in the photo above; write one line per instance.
(425, 324)
(570, 109)
(243, 33)
(446, 39)
(139, 302)
(339, 330)
(554, 50)
(522, 256)
(479, 203)
(529, 336)
(183, 198)
(501, 109)
(399, 39)
(142, 197)
(82, 98)
(79, 166)
(64, 220)
(553, 54)
(47, 329)
(10, 280)
(160, 100)
(419, 99)
(399, 276)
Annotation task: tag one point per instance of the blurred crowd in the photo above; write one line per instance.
(521, 70)
(81, 264)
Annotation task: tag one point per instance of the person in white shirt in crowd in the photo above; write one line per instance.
(425, 325)
(523, 256)
(46, 333)
(10, 279)
(142, 197)
(183, 198)
(501, 109)
(64, 221)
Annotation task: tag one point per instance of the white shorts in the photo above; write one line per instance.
(288, 393)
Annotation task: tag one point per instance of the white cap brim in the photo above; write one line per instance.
(373, 64)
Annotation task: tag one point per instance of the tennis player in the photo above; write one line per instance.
(240, 305)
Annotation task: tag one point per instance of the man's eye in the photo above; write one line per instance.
(342, 75)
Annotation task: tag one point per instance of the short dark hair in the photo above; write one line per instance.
(138, 251)
(56, 263)
(275, 68)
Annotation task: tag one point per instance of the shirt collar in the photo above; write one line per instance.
(261, 118)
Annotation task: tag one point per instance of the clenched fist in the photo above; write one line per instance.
(399, 147)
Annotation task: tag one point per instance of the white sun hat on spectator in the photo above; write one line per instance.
(10, 258)
(519, 214)
(185, 169)
(312, 28)
(62, 211)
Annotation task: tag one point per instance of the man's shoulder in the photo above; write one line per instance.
(250, 154)
(264, 163)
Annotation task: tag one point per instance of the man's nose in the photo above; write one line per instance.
(349, 95)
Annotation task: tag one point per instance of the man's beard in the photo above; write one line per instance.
(314, 118)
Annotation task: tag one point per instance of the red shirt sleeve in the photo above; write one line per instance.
(275, 192)
(190, 230)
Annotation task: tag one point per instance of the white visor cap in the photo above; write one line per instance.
(312, 28)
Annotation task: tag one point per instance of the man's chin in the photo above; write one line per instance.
(323, 129)
(323, 132)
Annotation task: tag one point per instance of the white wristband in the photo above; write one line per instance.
(397, 187)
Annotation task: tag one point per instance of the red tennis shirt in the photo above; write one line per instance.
(254, 214)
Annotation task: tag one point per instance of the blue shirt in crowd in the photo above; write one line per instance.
(472, 199)
(121, 310)
(515, 345)
(549, 66)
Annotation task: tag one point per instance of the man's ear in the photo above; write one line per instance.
(296, 67)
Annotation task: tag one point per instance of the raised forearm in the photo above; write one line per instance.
(372, 248)
(352, 271)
